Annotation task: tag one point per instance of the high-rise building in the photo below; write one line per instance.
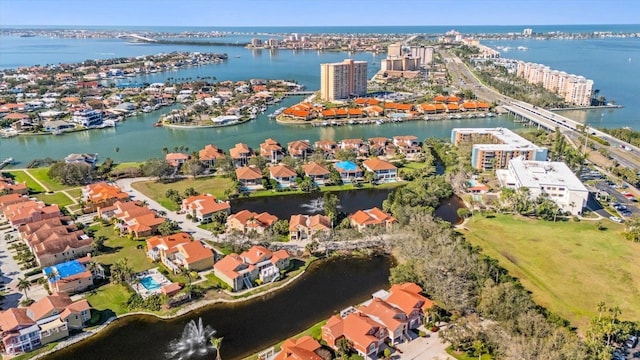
(343, 80)
(573, 89)
(394, 50)
(527, 32)
(425, 53)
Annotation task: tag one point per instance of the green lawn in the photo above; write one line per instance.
(209, 185)
(57, 198)
(38, 351)
(21, 176)
(43, 177)
(568, 266)
(414, 165)
(314, 331)
(121, 247)
(465, 356)
(76, 193)
(126, 165)
(109, 297)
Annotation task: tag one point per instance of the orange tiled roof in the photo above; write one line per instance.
(388, 315)
(210, 152)
(299, 349)
(194, 251)
(376, 164)
(239, 150)
(45, 306)
(280, 171)
(13, 318)
(315, 169)
(168, 242)
(248, 173)
(373, 216)
(407, 298)
(205, 204)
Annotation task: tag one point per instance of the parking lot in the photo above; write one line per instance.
(619, 200)
(629, 350)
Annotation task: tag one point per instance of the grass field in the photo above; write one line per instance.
(121, 247)
(209, 185)
(109, 297)
(21, 176)
(568, 266)
(76, 193)
(43, 177)
(57, 198)
(126, 165)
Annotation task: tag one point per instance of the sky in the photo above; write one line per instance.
(317, 12)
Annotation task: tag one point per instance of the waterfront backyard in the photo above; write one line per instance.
(568, 266)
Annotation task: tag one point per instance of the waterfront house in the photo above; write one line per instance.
(245, 221)
(299, 149)
(86, 159)
(250, 177)
(8, 186)
(383, 171)
(87, 118)
(407, 145)
(19, 332)
(371, 218)
(178, 250)
(242, 271)
(283, 174)
(351, 144)
(72, 276)
(57, 126)
(240, 154)
(28, 211)
(176, 159)
(202, 207)
(303, 348)
(364, 333)
(392, 318)
(407, 298)
(272, 151)
(209, 155)
(307, 227)
(55, 240)
(316, 172)
(349, 171)
(101, 194)
(326, 147)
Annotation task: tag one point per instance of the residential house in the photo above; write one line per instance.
(209, 155)
(8, 186)
(101, 194)
(371, 218)
(284, 175)
(202, 207)
(316, 172)
(250, 177)
(176, 159)
(86, 159)
(364, 333)
(307, 227)
(303, 348)
(240, 154)
(327, 147)
(28, 211)
(407, 298)
(178, 250)
(378, 145)
(72, 276)
(9, 199)
(383, 171)
(55, 240)
(407, 145)
(272, 151)
(19, 332)
(242, 271)
(132, 218)
(393, 319)
(246, 221)
(299, 149)
(349, 171)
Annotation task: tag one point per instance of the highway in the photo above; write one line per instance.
(465, 79)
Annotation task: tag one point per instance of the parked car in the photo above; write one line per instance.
(631, 342)
(615, 219)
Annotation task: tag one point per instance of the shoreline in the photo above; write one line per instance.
(190, 127)
(379, 120)
(588, 107)
(181, 312)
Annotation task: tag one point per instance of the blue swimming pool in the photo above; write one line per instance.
(347, 165)
(64, 270)
(150, 283)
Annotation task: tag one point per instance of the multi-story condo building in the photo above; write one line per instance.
(87, 117)
(494, 147)
(343, 80)
(424, 53)
(574, 89)
(550, 178)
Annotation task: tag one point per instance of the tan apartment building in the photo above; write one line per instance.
(343, 80)
(574, 89)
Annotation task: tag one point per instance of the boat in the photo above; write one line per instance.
(490, 114)
(158, 124)
(5, 162)
(379, 122)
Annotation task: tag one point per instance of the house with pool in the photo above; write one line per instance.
(383, 171)
(73, 276)
(180, 251)
(244, 270)
(349, 171)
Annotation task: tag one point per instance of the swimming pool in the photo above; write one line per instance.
(65, 270)
(150, 283)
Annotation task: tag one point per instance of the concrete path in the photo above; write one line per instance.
(46, 189)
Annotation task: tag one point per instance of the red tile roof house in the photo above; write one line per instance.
(19, 332)
(272, 151)
(316, 172)
(407, 298)
(284, 175)
(407, 144)
(25, 212)
(8, 186)
(250, 177)
(246, 221)
(348, 170)
(55, 240)
(240, 154)
(299, 149)
(101, 194)
(132, 218)
(392, 318)
(371, 218)
(77, 278)
(365, 334)
(179, 250)
(241, 271)
(209, 155)
(176, 159)
(303, 348)
(202, 207)
(383, 171)
(306, 227)
(327, 147)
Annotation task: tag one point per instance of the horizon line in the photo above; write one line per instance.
(326, 26)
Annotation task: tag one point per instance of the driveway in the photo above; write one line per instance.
(426, 348)
(10, 272)
(187, 225)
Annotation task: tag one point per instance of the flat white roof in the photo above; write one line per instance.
(510, 140)
(533, 174)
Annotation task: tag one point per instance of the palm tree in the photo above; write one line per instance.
(24, 285)
(185, 272)
(217, 343)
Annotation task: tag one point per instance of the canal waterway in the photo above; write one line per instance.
(247, 327)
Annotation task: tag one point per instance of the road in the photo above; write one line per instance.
(466, 80)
